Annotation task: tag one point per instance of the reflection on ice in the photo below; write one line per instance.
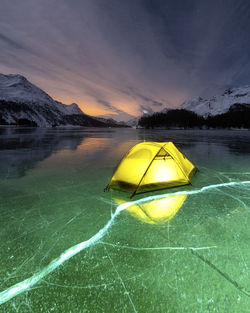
(157, 211)
(134, 207)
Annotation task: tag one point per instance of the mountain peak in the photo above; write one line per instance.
(218, 104)
(23, 103)
(15, 88)
(12, 76)
(74, 108)
(10, 80)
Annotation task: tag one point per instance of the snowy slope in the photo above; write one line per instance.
(218, 104)
(73, 108)
(134, 121)
(111, 121)
(22, 103)
(17, 88)
(20, 99)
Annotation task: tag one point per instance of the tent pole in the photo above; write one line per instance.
(144, 174)
(179, 165)
(106, 188)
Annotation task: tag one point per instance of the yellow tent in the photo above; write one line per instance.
(151, 166)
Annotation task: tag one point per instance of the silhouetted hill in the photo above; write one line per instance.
(238, 116)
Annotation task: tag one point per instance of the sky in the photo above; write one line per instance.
(123, 58)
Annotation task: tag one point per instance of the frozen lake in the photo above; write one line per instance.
(66, 246)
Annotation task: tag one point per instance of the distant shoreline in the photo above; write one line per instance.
(141, 128)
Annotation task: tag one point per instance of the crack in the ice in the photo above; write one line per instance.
(90, 286)
(155, 248)
(224, 275)
(26, 284)
(227, 277)
(121, 280)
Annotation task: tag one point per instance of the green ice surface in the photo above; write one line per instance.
(51, 199)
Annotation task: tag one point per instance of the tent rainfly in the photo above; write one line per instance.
(151, 166)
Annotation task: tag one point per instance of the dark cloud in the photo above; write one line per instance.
(135, 93)
(132, 92)
(156, 103)
(118, 114)
(10, 42)
(109, 106)
(133, 53)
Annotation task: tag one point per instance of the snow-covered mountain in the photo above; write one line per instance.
(134, 121)
(17, 88)
(23, 102)
(111, 121)
(218, 104)
(20, 99)
(73, 108)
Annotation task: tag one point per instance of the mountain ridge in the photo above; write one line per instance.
(228, 110)
(23, 103)
(219, 104)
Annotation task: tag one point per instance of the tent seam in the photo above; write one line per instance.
(145, 173)
(178, 163)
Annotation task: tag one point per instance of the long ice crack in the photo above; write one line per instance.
(26, 284)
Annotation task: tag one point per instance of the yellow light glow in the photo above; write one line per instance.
(155, 212)
(151, 166)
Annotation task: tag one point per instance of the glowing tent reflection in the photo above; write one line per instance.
(157, 211)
